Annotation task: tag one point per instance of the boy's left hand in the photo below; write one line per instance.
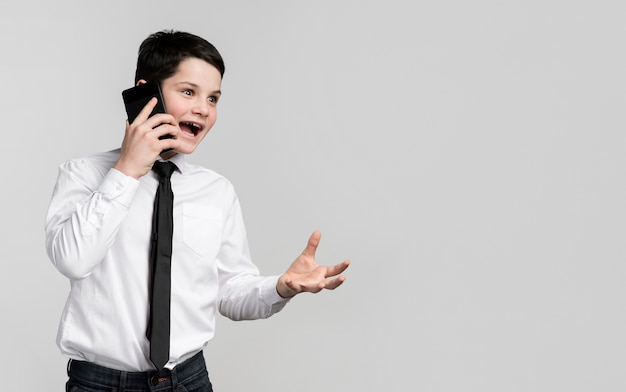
(305, 275)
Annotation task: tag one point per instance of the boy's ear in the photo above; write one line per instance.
(140, 82)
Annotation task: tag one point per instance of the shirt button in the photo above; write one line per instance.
(154, 380)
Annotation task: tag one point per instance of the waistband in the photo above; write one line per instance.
(152, 380)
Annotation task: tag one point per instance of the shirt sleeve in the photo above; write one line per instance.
(84, 215)
(244, 294)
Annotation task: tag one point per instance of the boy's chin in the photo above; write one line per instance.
(186, 149)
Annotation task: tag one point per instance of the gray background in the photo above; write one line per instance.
(466, 156)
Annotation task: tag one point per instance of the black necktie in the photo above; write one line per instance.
(161, 256)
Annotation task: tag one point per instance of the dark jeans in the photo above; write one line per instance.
(189, 376)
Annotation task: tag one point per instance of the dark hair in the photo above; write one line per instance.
(161, 53)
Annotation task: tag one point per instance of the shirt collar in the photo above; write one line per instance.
(179, 161)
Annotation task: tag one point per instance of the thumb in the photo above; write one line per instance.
(311, 246)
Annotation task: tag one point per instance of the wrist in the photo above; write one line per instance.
(127, 169)
(283, 290)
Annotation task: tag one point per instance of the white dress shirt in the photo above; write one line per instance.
(98, 230)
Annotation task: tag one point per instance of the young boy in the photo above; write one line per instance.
(99, 232)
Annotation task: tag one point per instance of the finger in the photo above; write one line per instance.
(145, 112)
(167, 145)
(311, 246)
(334, 283)
(159, 119)
(163, 130)
(337, 269)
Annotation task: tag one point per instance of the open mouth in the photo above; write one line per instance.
(190, 128)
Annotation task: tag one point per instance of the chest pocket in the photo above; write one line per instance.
(202, 228)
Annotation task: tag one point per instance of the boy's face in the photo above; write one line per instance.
(191, 96)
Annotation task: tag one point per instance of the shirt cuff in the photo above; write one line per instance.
(270, 294)
(119, 187)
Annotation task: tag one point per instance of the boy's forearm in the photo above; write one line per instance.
(251, 298)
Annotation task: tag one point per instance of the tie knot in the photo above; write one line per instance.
(164, 168)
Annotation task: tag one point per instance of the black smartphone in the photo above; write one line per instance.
(136, 98)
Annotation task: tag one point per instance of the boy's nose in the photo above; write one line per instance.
(201, 108)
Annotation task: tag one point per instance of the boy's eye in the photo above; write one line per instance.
(213, 99)
(187, 92)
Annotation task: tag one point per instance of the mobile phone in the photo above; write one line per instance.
(136, 98)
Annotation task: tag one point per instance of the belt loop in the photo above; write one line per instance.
(174, 378)
(69, 367)
(123, 377)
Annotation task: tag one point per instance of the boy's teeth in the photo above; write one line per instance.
(192, 125)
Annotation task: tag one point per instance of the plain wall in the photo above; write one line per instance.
(468, 157)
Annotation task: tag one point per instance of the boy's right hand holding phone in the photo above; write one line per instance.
(145, 139)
